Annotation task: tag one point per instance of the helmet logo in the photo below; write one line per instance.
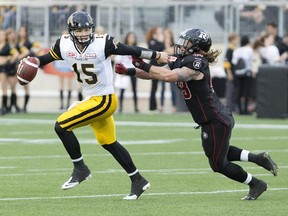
(203, 35)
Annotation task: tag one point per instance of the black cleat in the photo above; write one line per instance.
(137, 188)
(256, 190)
(78, 175)
(267, 163)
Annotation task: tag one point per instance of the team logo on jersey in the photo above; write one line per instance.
(197, 64)
(204, 135)
(71, 54)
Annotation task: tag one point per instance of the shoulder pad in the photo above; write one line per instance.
(195, 62)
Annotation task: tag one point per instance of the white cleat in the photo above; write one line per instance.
(137, 188)
(77, 177)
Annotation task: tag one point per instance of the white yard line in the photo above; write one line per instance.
(138, 154)
(56, 141)
(186, 193)
(144, 124)
(181, 171)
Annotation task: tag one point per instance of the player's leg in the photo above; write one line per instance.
(215, 141)
(82, 114)
(104, 130)
(262, 159)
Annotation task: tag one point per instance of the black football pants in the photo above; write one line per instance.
(215, 141)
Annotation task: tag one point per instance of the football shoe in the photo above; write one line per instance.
(78, 175)
(137, 188)
(267, 163)
(256, 190)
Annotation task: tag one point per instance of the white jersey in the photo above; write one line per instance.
(92, 66)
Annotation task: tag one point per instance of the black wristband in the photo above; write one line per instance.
(158, 57)
(131, 71)
(146, 67)
(154, 54)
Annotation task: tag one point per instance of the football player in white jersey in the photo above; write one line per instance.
(89, 56)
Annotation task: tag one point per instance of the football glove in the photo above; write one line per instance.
(139, 63)
(121, 69)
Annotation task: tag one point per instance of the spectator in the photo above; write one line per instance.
(272, 28)
(8, 13)
(269, 52)
(233, 40)
(121, 81)
(242, 60)
(11, 69)
(155, 41)
(4, 59)
(25, 48)
(65, 79)
(285, 42)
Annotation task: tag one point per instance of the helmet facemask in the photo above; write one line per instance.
(185, 46)
(84, 39)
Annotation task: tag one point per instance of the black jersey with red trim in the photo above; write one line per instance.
(199, 95)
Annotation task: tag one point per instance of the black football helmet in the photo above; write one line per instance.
(191, 41)
(80, 20)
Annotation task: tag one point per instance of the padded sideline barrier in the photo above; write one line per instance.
(272, 92)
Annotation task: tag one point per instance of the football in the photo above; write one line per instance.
(27, 71)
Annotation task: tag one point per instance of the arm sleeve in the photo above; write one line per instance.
(53, 54)
(45, 59)
(115, 47)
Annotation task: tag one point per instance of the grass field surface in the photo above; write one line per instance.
(165, 148)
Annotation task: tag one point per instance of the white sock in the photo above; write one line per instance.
(78, 159)
(244, 155)
(248, 179)
(131, 174)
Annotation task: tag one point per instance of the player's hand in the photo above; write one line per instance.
(139, 63)
(120, 69)
(25, 59)
(162, 57)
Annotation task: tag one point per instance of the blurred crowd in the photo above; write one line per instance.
(13, 47)
(243, 58)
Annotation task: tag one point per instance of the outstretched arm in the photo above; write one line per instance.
(114, 47)
(182, 74)
(164, 73)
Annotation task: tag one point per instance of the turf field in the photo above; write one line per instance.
(167, 150)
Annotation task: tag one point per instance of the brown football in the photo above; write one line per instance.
(27, 71)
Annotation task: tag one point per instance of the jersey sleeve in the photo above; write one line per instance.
(55, 50)
(114, 47)
(53, 54)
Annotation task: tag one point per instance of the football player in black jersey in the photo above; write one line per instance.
(189, 68)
